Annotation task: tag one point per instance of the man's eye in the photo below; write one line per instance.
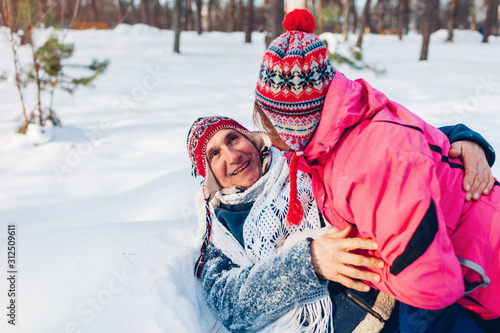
(213, 154)
(234, 138)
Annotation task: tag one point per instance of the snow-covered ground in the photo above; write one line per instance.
(104, 214)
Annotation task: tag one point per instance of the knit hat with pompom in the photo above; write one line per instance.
(294, 77)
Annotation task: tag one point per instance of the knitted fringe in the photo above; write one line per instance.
(198, 267)
(314, 317)
(295, 210)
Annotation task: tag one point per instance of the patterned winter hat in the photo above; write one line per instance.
(294, 77)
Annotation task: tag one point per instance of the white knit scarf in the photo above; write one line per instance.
(265, 231)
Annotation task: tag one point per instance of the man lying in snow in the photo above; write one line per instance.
(260, 273)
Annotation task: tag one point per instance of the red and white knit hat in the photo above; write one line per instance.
(294, 77)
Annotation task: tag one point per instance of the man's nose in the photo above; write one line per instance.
(232, 155)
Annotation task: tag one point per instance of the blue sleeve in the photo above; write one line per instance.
(461, 132)
(246, 299)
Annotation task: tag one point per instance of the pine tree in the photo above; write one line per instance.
(49, 74)
(47, 70)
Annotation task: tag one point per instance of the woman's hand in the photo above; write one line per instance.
(478, 178)
(332, 260)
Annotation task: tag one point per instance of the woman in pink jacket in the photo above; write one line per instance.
(382, 169)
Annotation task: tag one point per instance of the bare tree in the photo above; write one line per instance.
(364, 22)
(249, 27)
(473, 12)
(319, 15)
(345, 13)
(95, 10)
(177, 25)
(144, 11)
(452, 19)
(7, 18)
(354, 16)
(126, 12)
(275, 15)
(487, 22)
(188, 14)
(210, 26)
(495, 29)
(241, 16)
(403, 17)
(198, 17)
(151, 13)
(427, 29)
(232, 10)
(167, 12)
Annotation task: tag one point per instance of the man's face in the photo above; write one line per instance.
(233, 159)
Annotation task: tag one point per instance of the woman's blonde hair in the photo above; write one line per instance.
(262, 122)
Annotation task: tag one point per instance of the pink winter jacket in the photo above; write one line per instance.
(379, 167)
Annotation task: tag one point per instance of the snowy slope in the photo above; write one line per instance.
(104, 213)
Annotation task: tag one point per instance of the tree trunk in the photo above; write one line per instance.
(496, 7)
(12, 12)
(62, 10)
(354, 16)
(473, 12)
(177, 25)
(436, 19)
(157, 13)
(144, 12)
(345, 14)
(152, 12)
(189, 15)
(319, 23)
(487, 21)
(168, 16)
(4, 14)
(95, 10)
(231, 15)
(199, 28)
(407, 16)
(38, 82)
(417, 17)
(2, 10)
(403, 18)
(364, 23)
(241, 16)
(249, 27)
(126, 12)
(427, 29)
(275, 16)
(452, 19)
(210, 14)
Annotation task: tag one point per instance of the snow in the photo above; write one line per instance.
(38, 135)
(104, 213)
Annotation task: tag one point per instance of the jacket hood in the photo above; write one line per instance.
(347, 103)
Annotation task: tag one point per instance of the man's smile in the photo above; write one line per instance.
(241, 168)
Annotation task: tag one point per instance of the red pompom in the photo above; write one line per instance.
(299, 19)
